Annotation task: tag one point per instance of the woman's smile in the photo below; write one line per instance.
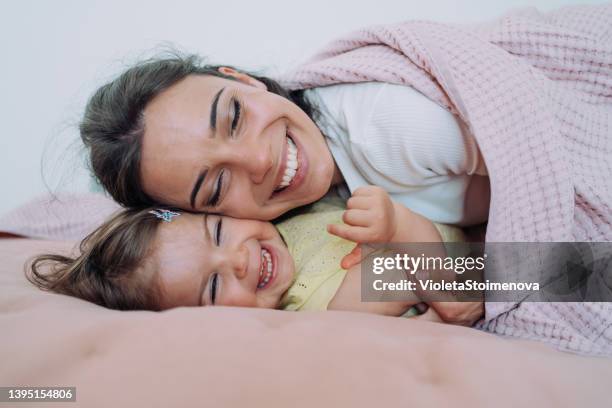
(293, 167)
(262, 156)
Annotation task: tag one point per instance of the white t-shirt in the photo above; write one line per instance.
(395, 137)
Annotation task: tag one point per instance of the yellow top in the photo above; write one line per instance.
(317, 254)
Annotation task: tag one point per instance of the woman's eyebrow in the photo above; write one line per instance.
(213, 112)
(196, 187)
(213, 129)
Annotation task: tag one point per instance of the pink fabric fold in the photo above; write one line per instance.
(62, 217)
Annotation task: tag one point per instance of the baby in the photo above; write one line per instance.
(160, 259)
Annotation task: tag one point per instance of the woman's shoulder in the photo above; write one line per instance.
(365, 93)
(347, 97)
(362, 111)
(348, 87)
(345, 108)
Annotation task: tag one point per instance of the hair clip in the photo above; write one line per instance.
(165, 215)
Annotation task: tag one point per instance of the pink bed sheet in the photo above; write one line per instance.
(245, 357)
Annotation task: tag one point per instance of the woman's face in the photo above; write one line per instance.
(215, 260)
(231, 147)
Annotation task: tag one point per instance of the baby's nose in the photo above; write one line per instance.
(239, 261)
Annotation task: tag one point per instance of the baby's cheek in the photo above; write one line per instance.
(239, 301)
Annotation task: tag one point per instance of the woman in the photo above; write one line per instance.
(207, 138)
(215, 139)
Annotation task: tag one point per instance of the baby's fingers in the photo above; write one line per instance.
(355, 234)
(351, 259)
(359, 203)
(357, 218)
(368, 191)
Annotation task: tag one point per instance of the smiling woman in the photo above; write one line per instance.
(174, 132)
(232, 147)
(201, 137)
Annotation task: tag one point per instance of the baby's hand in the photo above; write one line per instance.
(369, 218)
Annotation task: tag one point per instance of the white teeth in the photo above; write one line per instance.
(292, 164)
(265, 273)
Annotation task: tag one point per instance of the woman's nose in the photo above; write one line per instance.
(253, 155)
(258, 162)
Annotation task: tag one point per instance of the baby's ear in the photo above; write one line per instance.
(244, 78)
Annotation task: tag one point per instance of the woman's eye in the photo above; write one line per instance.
(214, 197)
(236, 118)
(218, 231)
(213, 287)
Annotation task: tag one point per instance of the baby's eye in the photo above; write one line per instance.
(218, 231)
(214, 278)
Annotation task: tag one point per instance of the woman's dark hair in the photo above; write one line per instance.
(110, 269)
(113, 126)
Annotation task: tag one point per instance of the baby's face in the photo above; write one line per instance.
(217, 260)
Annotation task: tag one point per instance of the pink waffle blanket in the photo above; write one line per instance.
(535, 90)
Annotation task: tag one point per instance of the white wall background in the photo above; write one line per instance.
(55, 53)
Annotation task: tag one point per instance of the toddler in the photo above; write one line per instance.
(157, 259)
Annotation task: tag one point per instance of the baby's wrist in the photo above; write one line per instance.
(404, 222)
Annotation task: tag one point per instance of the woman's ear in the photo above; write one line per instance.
(244, 78)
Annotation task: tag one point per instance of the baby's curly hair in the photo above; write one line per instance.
(112, 269)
